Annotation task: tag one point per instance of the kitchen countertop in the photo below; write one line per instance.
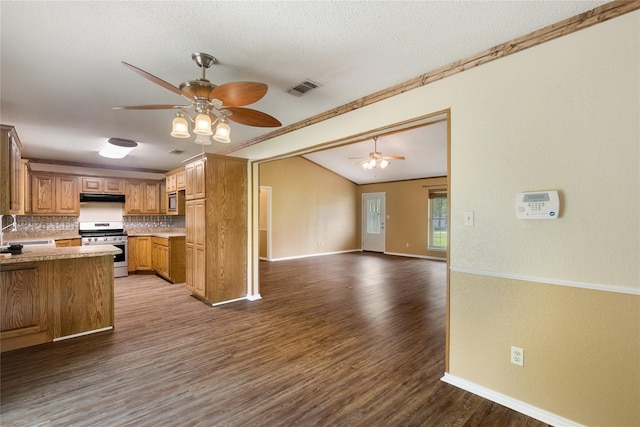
(47, 253)
(153, 233)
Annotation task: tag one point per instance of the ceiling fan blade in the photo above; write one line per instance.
(393, 157)
(150, 107)
(249, 117)
(239, 93)
(157, 80)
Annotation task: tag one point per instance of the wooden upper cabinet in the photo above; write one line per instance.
(134, 196)
(152, 197)
(142, 197)
(54, 194)
(67, 195)
(43, 194)
(175, 180)
(180, 180)
(195, 180)
(100, 185)
(171, 183)
(11, 197)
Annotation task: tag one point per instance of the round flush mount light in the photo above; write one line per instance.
(117, 148)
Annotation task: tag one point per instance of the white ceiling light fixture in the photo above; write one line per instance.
(211, 105)
(180, 126)
(223, 132)
(117, 148)
(203, 140)
(376, 159)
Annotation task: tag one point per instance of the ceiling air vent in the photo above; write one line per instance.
(302, 88)
(175, 152)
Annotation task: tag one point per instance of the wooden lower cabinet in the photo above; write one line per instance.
(164, 256)
(63, 243)
(139, 248)
(168, 258)
(23, 320)
(41, 301)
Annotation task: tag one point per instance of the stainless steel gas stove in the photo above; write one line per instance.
(108, 233)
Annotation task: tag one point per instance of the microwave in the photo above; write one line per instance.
(175, 203)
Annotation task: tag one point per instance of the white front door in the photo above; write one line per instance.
(373, 216)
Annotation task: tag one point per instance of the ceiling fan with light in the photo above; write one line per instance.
(212, 106)
(375, 158)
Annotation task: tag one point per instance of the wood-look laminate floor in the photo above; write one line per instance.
(342, 340)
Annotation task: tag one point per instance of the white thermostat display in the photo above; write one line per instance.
(537, 205)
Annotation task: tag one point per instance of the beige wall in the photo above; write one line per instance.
(562, 115)
(314, 211)
(407, 213)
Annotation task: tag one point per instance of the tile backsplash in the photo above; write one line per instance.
(70, 223)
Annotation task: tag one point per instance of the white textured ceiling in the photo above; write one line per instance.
(61, 68)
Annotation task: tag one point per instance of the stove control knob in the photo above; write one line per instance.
(104, 238)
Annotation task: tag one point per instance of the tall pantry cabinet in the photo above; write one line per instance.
(216, 228)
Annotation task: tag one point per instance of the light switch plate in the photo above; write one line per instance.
(469, 218)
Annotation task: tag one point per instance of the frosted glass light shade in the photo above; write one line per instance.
(117, 148)
(384, 163)
(180, 128)
(202, 125)
(223, 133)
(203, 140)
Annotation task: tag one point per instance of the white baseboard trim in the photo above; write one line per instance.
(433, 258)
(548, 281)
(314, 255)
(108, 328)
(509, 402)
(254, 297)
(227, 302)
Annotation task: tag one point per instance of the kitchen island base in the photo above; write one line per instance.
(44, 299)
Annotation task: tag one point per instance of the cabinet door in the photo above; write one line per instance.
(23, 308)
(200, 249)
(171, 183)
(42, 194)
(189, 177)
(132, 256)
(143, 253)
(180, 181)
(160, 256)
(189, 264)
(67, 195)
(113, 186)
(151, 198)
(134, 198)
(91, 185)
(199, 179)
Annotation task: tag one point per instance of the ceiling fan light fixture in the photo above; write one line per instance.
(202, 125)
(384, 163)
(117, 148)
(223, 132)
(202, 140)
(180, 126)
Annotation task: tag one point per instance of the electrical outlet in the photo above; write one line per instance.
(517, 356)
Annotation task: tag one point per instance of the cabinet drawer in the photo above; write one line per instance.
(160, 241)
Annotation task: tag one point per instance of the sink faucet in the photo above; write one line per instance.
(13, 225)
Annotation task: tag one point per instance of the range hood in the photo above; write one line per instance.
(91, 197)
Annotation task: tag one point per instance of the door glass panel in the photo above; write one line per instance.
(373, 216)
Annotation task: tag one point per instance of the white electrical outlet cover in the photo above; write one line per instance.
(517, 356)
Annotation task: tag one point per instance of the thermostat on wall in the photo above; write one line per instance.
(537, 205)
